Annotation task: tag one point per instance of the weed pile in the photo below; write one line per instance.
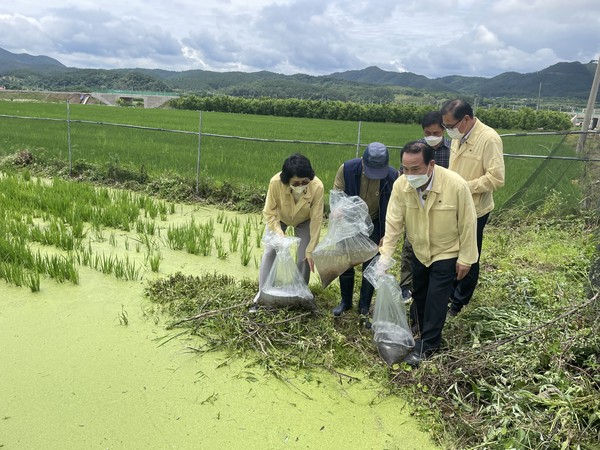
(215, 307)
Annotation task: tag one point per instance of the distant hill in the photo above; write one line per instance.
(11, 61)
(563, 80)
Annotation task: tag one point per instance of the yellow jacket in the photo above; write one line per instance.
(479, 160)
(444, 227)
(281, 207)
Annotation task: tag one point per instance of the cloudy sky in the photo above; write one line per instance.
(427, 37)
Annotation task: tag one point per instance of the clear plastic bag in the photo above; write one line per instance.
(377, 268)
(392, 334)
(284, 287)
(347, 242)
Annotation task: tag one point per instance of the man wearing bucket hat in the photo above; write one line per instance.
(371, 178)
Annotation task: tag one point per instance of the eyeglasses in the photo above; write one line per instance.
(300, 183)
(447, 127)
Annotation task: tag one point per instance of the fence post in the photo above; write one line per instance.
(69, 138)
(358, 142)
(589, 111)
(198, 160)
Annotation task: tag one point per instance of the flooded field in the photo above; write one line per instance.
(87, 366)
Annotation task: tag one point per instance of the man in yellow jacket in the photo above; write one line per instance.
(435, 207)
(476, 155)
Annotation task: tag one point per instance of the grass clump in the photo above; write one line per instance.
(215, 307)
(520, 367)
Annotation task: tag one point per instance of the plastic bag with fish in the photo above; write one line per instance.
(284, 287)
(392, 335)
(347, 242)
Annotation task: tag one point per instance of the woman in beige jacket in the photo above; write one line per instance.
(294, 198)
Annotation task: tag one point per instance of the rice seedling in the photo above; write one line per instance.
(123, 316)
(112, 239)
(226, 225)
(154, 260)
(220, 247)
(206, 233)
(234, 231)
(259, 230)
(150, 227)
(77, 229)
(118, 269)
(126, 242)
(151, 209)
(104, 263)
(139, 226)
(162, 210)
(172, 208)
(246, 249)
(33, 281)
(220, 216)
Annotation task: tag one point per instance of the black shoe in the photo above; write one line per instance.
(339, 309)
(413, 359)
(364, 318)
(452, 312)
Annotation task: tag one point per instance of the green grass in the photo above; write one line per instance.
(252, 163)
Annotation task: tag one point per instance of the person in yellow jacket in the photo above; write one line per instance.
(476, 155)
(294, 198)
(434, 206)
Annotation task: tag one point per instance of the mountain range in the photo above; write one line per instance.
(562, 80)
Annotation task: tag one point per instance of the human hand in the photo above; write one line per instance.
(311, 263)
(462, 270)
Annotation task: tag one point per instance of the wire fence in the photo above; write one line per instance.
(356, 145)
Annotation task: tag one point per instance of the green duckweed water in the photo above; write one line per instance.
(75, 376)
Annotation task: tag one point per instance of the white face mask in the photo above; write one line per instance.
(299, 190)
(433, 140)
(417, 181)
(454, 133)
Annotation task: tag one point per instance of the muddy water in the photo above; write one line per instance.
(73, 375)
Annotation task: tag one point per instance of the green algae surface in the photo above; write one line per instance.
(84, 366)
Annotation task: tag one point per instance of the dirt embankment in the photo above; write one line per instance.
(43, 96)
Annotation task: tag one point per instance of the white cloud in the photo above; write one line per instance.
(463, 37)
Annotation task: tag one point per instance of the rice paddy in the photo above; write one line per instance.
(49, 229)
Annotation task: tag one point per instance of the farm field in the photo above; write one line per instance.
(252, 163)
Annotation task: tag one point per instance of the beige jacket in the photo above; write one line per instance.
(479, 160)
(281, 207)
(444, 227)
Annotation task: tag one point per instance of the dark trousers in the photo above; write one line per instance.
(431, 288)
(463, 289)
(366, 288)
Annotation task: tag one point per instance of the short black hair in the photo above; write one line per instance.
(458, 108)
(296, 165)
(418, 147)
(432, 118)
